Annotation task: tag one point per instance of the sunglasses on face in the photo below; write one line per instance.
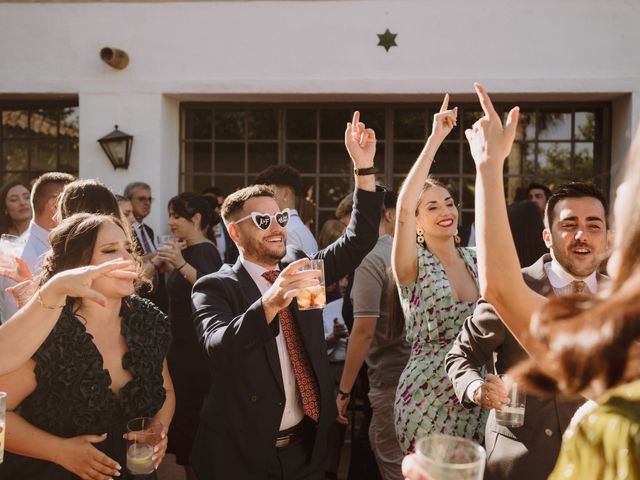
(263, 220)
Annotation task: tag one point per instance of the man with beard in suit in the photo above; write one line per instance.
(271, 400)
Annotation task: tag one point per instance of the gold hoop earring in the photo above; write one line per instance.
(456, 239)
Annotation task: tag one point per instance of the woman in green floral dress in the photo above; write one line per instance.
(438, 289)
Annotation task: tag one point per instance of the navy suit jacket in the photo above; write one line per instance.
(240, 418)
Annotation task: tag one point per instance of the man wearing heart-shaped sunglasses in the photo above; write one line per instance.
(264, 418)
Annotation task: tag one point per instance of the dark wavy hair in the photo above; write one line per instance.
(5, 220)
(187, 204)
(87, 196)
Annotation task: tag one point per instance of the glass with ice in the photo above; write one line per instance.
(165, 240)
(313, 297)
(512, 414)
(142, 436)
(445, 457)
(10, 247)
(3, 412)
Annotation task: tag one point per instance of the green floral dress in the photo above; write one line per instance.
(605, 444)
(425, 400)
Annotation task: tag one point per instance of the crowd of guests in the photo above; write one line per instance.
(103, 322)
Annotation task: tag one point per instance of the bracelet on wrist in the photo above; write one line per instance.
(181, 266)
(55, 307)
(344, 395)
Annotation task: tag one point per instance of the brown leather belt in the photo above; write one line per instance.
(290, 436)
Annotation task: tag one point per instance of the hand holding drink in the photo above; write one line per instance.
(10, 248)
(143, 437)
(313, 297)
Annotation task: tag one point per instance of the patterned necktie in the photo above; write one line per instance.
(143, 239)
(305, 380)
(578, 286)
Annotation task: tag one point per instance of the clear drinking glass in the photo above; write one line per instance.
(512, 413)
(445, 457)
(143, 435)
(165, 240)
(313, 297)
(3, 413)
(10, 247)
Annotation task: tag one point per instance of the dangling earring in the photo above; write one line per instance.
(456, 238)
(420, 236)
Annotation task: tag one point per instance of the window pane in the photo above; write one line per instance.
(70, 122)
(199, 183)
(554, 125)
(373, 118)
(335, 159)
(521, 160)
(69, 155)
(333, 189)
(526, 129)
(378, 160)
(405, 154)
(333, 123)
(15, 124)
(410, 124)
(584, 161)
(262, 124)
(468, 199)
(198, 124)
(198, 157)
(554, 158)
(229, 157)
(230, 184)
(229, 124)
(302, 156)
(447, 159)
(24, 178)
(469, 117)
(301, 124)
(44, 124)
(44, 156)
(262, 155)
(586, 125)
(16, 155)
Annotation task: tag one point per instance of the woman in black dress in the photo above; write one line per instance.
(102, 365)
(190, 220)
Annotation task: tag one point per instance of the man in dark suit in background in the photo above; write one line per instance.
(576, 234)
(271, 400)
(139, 194)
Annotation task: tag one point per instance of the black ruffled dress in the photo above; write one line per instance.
(73, 395)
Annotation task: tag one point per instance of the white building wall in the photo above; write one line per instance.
(208, 50)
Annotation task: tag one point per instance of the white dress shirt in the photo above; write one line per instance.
(560, 281)
(298, 235)
(333, 311)
(142, 232)
(35, 248)
(221, 241)
(293, 411)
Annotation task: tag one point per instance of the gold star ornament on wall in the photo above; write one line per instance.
(387, 39)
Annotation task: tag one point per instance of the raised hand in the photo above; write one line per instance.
(360, 142)
(490, 142)
(491, 394)
(20, 274)
(77, 281)
(444, 121)
(79, 456)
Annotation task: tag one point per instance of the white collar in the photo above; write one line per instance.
(253, 269)
(560, 278)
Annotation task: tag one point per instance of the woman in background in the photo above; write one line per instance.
(190, 217)
(16, 212)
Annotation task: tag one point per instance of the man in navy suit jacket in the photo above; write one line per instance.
(253, 423)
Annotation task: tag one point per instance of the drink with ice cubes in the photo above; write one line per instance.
(139, 460)
(313, 297)
(511, 415)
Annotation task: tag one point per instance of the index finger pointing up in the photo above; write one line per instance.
(445, 104)
(485, 101)
(356, 118)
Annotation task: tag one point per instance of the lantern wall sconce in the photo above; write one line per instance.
(114, 57)
(117, 146)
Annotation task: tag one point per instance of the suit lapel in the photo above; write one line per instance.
(251, 293)
(536, 278)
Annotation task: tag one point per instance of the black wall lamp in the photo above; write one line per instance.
(117, 146)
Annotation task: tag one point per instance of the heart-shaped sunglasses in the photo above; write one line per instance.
(263, 220)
